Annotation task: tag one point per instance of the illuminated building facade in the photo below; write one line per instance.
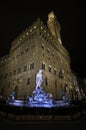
(38, 47)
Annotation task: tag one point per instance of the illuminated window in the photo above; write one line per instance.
(41, 27)
(27, 33)
(34, 27)
(30, 30)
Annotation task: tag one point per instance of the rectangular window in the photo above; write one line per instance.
(5, 76)
(54, 71)
(43, 66)
(31, 66)
(19, 70)
(2, 76)
(17, 56)
(46, 82)
(14, 73)
(49, 68)
(42, 46)
(25, 68)
(27, 50)
(10, 74)
(48, 50)
(9, 85)
(28, 81)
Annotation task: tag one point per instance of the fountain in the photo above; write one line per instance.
(39, 96)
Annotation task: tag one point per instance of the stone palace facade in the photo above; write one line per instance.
(38, 47)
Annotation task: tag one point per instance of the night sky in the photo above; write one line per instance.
(16, 16)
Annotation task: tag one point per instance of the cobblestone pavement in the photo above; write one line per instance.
(79, 124)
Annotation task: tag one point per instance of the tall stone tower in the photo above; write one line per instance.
(38, 47)
(54, 26)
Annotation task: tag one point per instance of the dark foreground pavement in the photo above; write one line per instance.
(79, 124)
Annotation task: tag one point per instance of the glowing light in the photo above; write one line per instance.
(59, 103)
(39, 97)
(34, 27)
(38, 79)
(59, 40)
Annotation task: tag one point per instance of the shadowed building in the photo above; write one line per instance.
(38, 47)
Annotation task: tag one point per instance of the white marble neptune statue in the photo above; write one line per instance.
(39, 79)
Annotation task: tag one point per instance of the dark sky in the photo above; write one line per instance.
(16, 16)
